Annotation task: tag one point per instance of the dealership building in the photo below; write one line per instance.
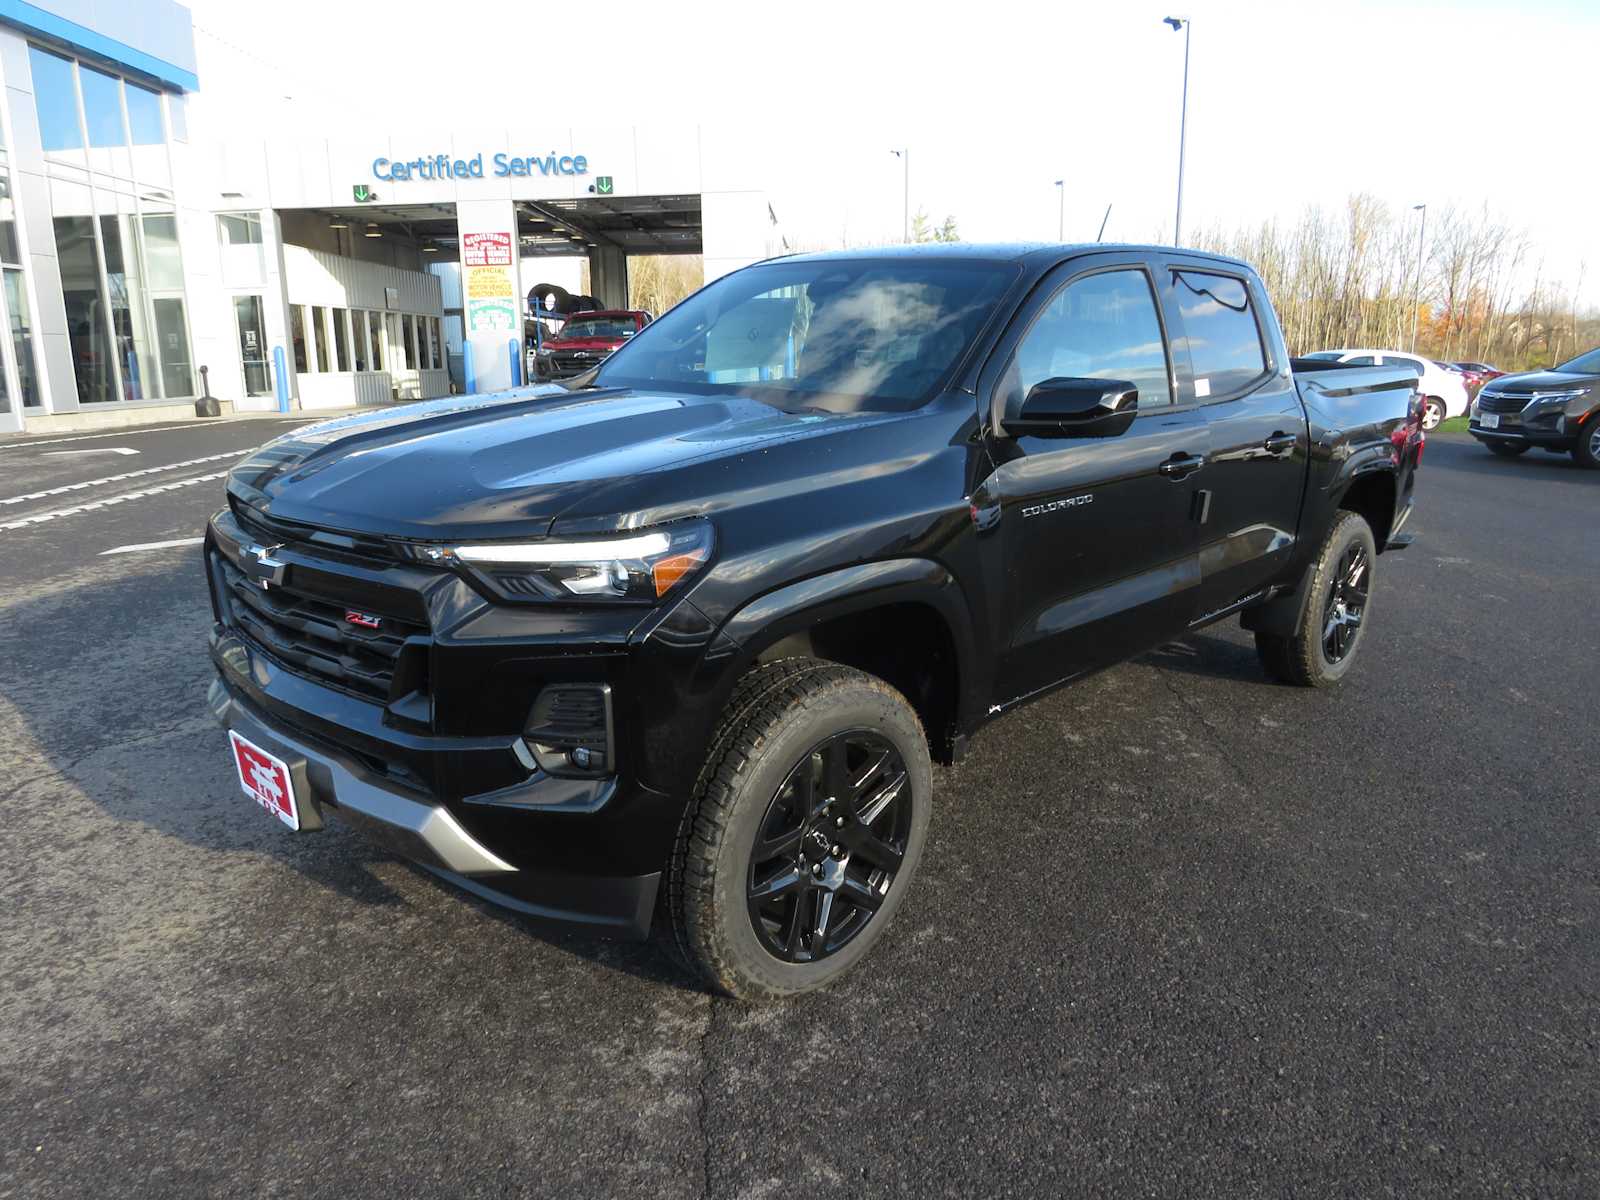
(143, 267)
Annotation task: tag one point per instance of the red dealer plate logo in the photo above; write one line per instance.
(265, 779)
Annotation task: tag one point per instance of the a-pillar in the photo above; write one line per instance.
(490, 300)
(608, 276)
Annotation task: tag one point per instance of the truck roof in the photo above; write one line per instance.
(1002, 251)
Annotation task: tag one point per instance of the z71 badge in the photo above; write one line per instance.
(1034, 510)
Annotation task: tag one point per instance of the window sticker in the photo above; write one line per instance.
(1202, 388)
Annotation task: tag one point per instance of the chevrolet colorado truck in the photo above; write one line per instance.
(676, 643)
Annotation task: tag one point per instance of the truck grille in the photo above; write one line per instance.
(1499, 402)
(271, 531)
(575, 364)
(373, 655)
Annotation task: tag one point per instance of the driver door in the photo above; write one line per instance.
(1099, 540)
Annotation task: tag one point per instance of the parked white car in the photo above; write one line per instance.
(1444, 392)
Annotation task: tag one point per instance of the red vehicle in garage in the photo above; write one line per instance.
(587, 340)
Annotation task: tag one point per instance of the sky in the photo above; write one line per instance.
(1291, 104)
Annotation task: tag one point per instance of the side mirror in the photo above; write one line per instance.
(1072, 407)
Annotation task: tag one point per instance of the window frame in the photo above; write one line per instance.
(1270, 366)
(1050, 285)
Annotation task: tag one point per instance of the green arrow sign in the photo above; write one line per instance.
(603, 185)
(363, 193)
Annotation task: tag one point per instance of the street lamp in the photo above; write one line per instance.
(905, 205)
(1416, 288)
(1061, 218)
(1182, 23)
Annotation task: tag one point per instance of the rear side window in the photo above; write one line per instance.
(1362, 360)
(1224, 340)
(1410, 364)
(1101, 326)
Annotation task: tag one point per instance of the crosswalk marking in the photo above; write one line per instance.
(92, 505)
(89, 483)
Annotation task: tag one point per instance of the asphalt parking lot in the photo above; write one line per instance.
(1179, 932)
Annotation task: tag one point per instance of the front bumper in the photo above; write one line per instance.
(328, 781)
(1551, 438)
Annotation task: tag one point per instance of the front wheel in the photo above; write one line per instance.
(1335, 614)
(1432, 412)
(804, 831)
(1587, 449)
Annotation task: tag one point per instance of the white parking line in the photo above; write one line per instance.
(138, 430)
(89, 483)
(194, 541)
(91, 450)
(91, 506)
(90, 437)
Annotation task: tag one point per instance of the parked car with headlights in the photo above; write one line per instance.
(694, 625)
(1556, 410)
(1443, 391)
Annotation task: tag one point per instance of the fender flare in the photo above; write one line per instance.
(794, 607)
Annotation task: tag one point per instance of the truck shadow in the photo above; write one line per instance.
(119, 718)
(1212, 656)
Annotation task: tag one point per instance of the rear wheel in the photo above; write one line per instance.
(1508, 449)
(1432, 412)
(804, 832)
(1587, 449)
(1336, 612)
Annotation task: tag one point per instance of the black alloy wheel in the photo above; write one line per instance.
(830, 846)
(1346, 604)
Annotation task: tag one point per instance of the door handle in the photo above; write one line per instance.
(1280, 443)
(1182, 465)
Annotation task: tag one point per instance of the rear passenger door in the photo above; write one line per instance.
(1097, 534)
(1230, 361)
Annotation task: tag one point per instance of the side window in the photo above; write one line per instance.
(1410, 364)
(1362, 360)
(1101, 326)
(1224, 340)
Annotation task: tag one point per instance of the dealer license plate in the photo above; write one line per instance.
(265, 779)
(1489, 420)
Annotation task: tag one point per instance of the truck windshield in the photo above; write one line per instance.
(840, 334)
(597, 327)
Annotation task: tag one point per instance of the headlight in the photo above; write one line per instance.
(642, 566)
(1551, 399)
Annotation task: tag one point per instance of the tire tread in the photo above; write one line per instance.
(761, 701)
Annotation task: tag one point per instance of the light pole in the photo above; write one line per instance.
(1416, 288)
(1061, 214)
(905, 204)
(1182, 23)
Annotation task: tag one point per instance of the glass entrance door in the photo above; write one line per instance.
(251, 319)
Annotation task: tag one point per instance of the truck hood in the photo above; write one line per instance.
(511, 465)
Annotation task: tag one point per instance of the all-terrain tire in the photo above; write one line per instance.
(1305, 658)
(778, 717)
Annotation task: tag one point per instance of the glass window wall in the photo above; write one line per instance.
(341, 343)
(319, 330)
(102, 107)
(358, 337)
(56, 98)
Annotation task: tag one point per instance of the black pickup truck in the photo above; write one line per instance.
(681, 638)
